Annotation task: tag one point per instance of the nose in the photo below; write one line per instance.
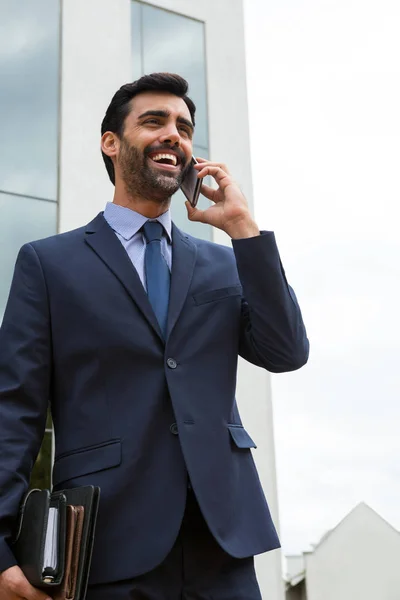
(170, 135)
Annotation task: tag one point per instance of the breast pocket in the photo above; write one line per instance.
(219, 294)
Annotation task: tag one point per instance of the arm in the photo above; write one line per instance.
(273, 335)
(25, 350)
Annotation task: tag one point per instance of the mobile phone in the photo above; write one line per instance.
(191, 185)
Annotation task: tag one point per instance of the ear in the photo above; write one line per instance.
(109, 143)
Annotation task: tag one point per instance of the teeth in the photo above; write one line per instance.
(171, 157)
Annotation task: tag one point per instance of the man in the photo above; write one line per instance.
(131, 330)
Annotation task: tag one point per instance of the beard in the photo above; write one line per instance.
(140, 179)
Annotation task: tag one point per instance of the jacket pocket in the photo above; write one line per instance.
(240, 436)
(87, 460)
(213, 295)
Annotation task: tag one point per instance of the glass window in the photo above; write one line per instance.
(166, 41)
(175, 43)
(22, 220)
(29, 97)
(29, 57)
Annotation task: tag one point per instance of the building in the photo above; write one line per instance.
(294, 577)
(60, 63)
(358, 559)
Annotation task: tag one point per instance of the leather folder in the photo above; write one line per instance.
(54, 540)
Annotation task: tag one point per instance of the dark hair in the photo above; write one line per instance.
(119, 107)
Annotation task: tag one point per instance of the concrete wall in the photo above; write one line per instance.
(96, 60)
(358, 559)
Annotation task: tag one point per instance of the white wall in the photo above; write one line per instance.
(358, 559)
(293, 565)
(96, 60)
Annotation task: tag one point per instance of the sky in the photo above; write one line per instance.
(324, 106)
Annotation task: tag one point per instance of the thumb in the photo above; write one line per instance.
(194, 214)
(28, 592)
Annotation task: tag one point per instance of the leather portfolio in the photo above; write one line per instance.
(54, 540)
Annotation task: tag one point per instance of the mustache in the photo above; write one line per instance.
(166, 148)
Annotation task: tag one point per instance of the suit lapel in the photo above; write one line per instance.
(107, 246)
(183, 260)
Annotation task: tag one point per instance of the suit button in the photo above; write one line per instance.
(172, 363)
(174, 428)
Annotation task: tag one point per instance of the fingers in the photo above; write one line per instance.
(208, 192)
(218, 171)
(202, 162)
(36, 594)
(14, 585)
(220, 176)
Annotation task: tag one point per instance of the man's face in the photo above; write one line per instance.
(156, 145)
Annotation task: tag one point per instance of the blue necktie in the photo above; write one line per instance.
(157, 273)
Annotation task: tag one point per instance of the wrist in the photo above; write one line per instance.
(243, 228)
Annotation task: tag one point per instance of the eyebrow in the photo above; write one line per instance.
(165, 114)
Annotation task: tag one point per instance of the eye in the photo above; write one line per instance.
(152, 121)
(185, 130)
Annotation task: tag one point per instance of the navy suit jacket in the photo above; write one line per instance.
(132, 413)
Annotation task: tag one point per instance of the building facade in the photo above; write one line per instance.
(60, 63)
(356, 559)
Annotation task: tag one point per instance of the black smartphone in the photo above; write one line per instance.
(191, 185)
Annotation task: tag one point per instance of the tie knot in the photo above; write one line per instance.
(153, 230)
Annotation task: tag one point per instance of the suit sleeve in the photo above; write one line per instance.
(273, 335)
(24, 388)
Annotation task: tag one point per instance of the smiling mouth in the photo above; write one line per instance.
(165, 159)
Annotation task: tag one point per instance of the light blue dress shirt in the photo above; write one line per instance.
(126, 224)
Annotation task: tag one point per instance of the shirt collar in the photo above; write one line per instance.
(127, 222)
